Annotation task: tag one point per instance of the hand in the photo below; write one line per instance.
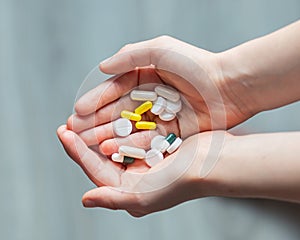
(139, 199)
(196, 73)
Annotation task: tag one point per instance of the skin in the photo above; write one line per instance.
(224, 89)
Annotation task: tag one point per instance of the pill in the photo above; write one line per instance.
(140, 95)
(170, 138)
(132, 152)
(122, 127)
(159, 106)
(131, 115)
(160, 143)
(174, 145)
(145, 125)
(116, 157)
(168, 93)
(166, 116)
(143, 108)
(173, 107)
(153, 157)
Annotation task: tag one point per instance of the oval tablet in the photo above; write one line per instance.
(131, 115)
(145, 125)
(140, 95)
(168, 93)
(122, 127)
(173, 107)
(160, 143)
(143, 107)
(166, 116)
(132, 152)
(159, 106)
(153, 157)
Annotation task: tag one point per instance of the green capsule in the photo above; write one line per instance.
(128, 160)
(171, 138)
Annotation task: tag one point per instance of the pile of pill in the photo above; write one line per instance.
(165, 102)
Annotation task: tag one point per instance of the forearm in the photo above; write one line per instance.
(258, 166)
(265, 71)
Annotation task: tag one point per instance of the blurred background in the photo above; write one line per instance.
(46, 50)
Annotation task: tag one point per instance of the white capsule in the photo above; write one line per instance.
(140, 95)
(166, 116)
(132, 152)
(173, 107)
(153, 157)
(168, 93)
(159, 106)
(116, 157)
(174, 145)
(160, 143)
(122, 127)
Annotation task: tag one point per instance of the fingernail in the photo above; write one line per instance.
(105, 60)
(89, 203)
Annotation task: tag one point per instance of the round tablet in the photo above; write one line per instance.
(166, 116)
(159, 106)
(160, 143)
(153, 157)
(122, 127)
(173, 107)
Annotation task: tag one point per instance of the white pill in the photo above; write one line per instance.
(168, 93)
(116, 157)
(166, 116)
(153, 157)
(140, 95)
(159, 106)
(122, 127)
(174, 145)
(132, 152)
(160, 143)
(173, 107)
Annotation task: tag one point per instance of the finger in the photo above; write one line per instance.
(139, 139)
(158, 52)
(98, 134)
(110, 198)
(108, 113)
(99, 169)
(106, 92)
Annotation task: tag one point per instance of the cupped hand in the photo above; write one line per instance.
(138, 190)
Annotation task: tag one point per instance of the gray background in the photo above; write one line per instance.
(47, 48)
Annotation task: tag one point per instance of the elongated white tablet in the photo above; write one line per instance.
(140, 95)
(122, 127)
(159, 106)
(166, 116)
(132, 152)
(168, 93)
(116, 157)
(160, 143)
(173, 107)
(174, 145)
(153, 157)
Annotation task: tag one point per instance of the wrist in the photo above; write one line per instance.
(238, 84)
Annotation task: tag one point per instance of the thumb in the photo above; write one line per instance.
(111, 198)
(155, 51)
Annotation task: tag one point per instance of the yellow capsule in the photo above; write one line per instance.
(145, 125)
(131, 115)
(143, 107)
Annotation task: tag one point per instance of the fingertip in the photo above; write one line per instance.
(61, 129)
(108, 147)
(70, 122)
